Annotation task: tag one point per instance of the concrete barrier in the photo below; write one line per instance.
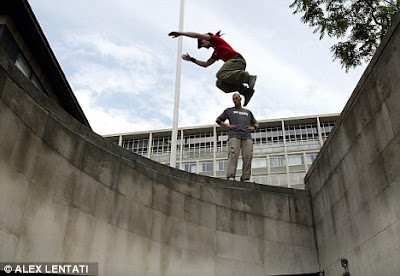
(354, 183)
(69, 195)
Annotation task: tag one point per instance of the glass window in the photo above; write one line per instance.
(36, 82)
(295, 159)
(260, 179)
(207, 166)
(311, 157)
(222, 165)
(189, 167)
(222, 142)
(279, 180)
(23, 65)
(161, 145)
(268, 136)
(240, 163)
(259, 163)
(138, 146)
(326, 129)
(301, 133)
(198, 145)
(296, 178)
(283, 180)
(277, 161)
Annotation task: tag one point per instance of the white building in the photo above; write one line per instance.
(283, 148)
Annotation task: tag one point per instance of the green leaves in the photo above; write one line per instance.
(359, 24)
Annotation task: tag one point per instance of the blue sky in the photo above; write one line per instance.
(121, 64)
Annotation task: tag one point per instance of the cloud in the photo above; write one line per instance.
(121, 64)
(120, 85)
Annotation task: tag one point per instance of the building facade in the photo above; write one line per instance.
(283, 149)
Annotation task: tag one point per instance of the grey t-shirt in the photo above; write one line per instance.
(242, 118)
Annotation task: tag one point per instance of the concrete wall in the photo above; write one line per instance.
(354, 183)
(67, 194)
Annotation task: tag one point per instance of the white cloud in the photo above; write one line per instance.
(121, 63)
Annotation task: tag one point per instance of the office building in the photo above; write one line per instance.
(284, 149)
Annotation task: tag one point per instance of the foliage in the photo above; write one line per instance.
(361, 24)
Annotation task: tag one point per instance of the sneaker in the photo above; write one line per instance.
(247, 96)
(230, 178)
(252, 81)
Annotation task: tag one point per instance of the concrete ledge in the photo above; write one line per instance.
(71, 195)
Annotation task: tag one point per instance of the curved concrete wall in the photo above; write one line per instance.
(67, 194)
(355, 181)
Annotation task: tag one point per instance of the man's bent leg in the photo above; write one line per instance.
(233, 72)
(229, 87)
(233, 156)
(247, 157)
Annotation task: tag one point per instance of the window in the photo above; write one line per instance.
(326, 129)
(189, 167)
(295, 159)
(222, 142)
(36, 81)
(301, 133)
(198, 145)
(279, 180)
(161, 145)
(311, 157)
(207, 166)
(259, 163)
(277, 161)
(268, 136)
(296, 178)
(23, 65)
(260, 179)
(11, 48)
(138, 146)
(222, 165)
(239, 164)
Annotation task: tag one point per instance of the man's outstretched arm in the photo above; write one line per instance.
(190, 34)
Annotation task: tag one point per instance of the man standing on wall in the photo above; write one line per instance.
(232, 75)
(241, 124)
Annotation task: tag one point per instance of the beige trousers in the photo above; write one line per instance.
(232, 75)
(234, 147)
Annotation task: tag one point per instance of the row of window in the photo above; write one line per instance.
(283, 179)
(279, 161)
(292, 179)
(201, 144)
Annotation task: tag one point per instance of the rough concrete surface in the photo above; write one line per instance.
(68, 195)
(355, 183)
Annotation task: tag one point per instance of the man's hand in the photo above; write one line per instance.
(186, 57)
(250, 128)
(174, 34)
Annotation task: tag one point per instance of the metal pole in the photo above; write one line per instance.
(172, 160)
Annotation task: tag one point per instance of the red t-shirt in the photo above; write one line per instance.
(222, 50)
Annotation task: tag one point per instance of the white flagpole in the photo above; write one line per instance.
(172, 160)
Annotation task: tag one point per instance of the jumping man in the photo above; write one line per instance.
(232, 75)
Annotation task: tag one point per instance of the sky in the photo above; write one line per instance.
(121, 63)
